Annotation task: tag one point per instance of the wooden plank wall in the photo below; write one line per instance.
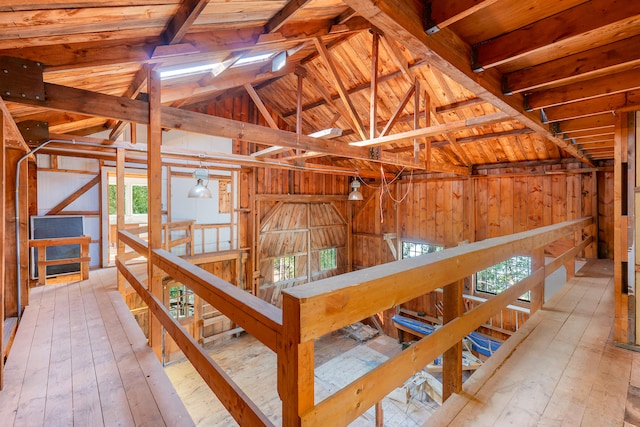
(447, 211)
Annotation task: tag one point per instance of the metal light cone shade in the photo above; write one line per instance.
(199, 191)
(355, 194)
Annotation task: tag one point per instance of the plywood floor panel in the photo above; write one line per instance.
(79, 358)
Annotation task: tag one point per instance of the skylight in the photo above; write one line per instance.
(195, 69)
(252, 59)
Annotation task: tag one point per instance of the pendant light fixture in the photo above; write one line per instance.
(355, 193)
(200, 190)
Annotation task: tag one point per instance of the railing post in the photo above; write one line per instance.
(537, 292)
(295, 366)
(84, 265)
(120, 163)
(452, 358)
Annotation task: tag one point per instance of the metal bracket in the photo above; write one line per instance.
(33, 131)
(21, 78)
(429, 25)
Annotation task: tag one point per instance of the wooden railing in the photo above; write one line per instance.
(43, 262)
(313, 310)
(257, 317)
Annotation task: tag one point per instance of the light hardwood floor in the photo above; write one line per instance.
(80, 359)
(561, 369)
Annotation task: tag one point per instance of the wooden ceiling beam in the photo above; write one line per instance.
(600, 61)
(589, 134)
(335, 76)
(592, 107)
(574, 25)
(602, 121)
(182, 21)
(285, 14)
(260, 105)
(442, 13)
(396, 114)
(439, 129)
(584, 90)
(345, 16)
(356, 89)
(402, 20)
(398, 58)
(118, 108)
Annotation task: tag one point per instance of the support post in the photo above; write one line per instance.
(2, 247)
(452, 358)
(295, 366)
(154, 176)
(120, 158)
(537, 292)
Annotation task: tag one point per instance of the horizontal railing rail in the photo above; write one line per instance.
(42, 244)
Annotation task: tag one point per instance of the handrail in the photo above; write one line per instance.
(255, 316)
(229, 393)
(313, 310)
(330, 304)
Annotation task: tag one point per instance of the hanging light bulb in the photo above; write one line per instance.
(200, 190)
(355, 193)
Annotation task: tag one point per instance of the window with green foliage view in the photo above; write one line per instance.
(328, 259)
(284, 268)
(411, 249)
(499, 277)
(139, 195)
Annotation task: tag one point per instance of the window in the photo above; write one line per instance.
(499, 277)
(284, 268)
(112, 200)
(139, 195)
(328, 259)
(181, 302)
(411, 249)
(136, 195)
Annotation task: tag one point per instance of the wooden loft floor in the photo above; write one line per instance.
(79, 358)
(560, 369)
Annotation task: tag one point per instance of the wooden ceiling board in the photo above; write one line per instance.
(100, 46)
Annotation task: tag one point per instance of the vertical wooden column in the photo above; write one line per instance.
(3, 283)
(154, 176)
(309, 252)
(427, 123)
(537, 292)
(373, 107)
(295, 366)
(452, 358)
(349, 236)
(416, 119)
(594, 213)
(120, 159)
(621, 321)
